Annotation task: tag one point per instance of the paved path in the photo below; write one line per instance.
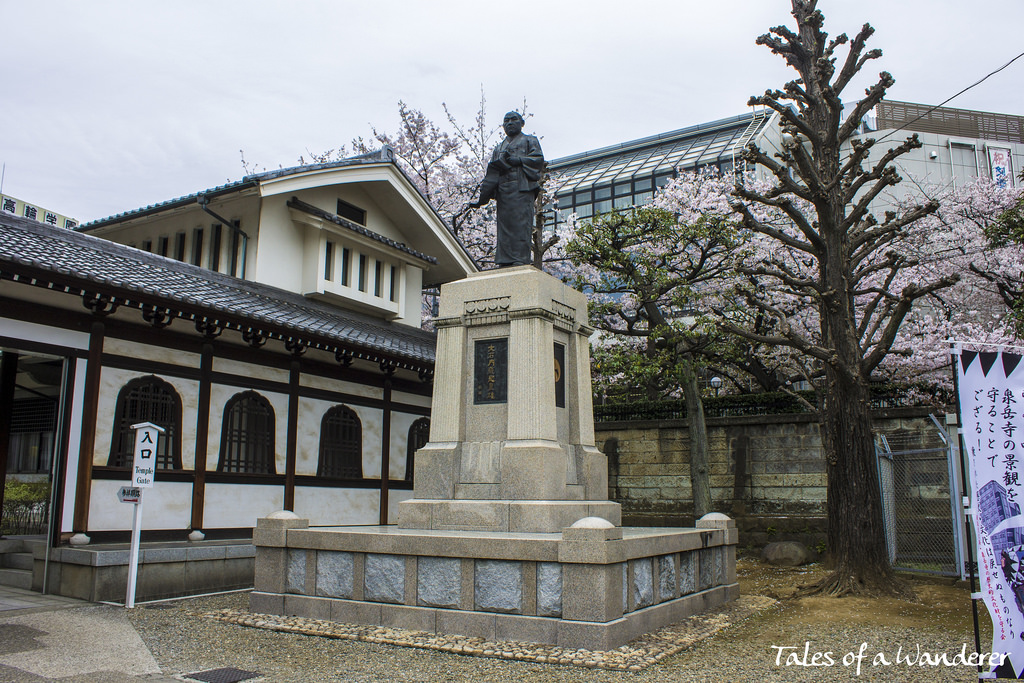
(52, 638)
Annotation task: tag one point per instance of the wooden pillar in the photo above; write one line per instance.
(90, 413)
(202, 434)
(293, 433)
(8, 378)
(385, 446)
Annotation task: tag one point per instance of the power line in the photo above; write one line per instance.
(978, 82)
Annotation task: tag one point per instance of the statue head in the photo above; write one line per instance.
(513, 123)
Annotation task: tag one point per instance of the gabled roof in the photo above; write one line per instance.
(383, 155)
(70, 261)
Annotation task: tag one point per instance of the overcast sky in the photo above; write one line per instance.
(109, 106)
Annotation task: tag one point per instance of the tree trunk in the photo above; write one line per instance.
(856, 533)
(700, 478)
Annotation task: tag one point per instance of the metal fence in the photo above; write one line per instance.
(917, 505)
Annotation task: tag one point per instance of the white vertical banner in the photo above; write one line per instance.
(991, 391)
(999, 166)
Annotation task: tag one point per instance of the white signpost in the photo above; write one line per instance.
(143, 468)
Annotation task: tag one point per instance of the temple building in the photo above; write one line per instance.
(271, 327)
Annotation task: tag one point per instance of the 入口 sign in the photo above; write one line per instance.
(144, 464)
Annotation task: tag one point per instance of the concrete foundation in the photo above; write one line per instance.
(593, 588)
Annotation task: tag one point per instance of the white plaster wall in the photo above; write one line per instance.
(311, 413)
(394, 498)
(340, 385)
(75, 403)
(280, 255)
(412, 281)
(130, 349)
(17, 329)
(219, 396)
(247, 370)
(112, 380)
(324, 506)
(239, 505)
(168, 505)
(373, 420)
(400, 423)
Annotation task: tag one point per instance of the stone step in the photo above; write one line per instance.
(16, 578)
(21, 560)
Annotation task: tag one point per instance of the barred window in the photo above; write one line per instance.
(341, 444)
(247, 435)
(147, 399)
(419, 434)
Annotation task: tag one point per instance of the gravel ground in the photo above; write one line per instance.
(184, 638)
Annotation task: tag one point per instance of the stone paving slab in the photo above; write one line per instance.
(16, 599)
(94, 643)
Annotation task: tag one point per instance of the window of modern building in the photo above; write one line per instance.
(341, 444)
(965, 161)
(351, 212)
(247, 435)
(147, 399)
(419, 434)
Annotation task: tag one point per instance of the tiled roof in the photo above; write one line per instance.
(70, 259)
(298, 204)
(382, 155)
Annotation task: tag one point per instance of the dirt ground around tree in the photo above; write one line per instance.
(940, 602)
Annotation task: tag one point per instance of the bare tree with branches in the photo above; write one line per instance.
(858, 272)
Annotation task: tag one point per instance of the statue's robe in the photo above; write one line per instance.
(514, 188)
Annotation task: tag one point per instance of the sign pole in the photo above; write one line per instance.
(133, 555)
(147, 435)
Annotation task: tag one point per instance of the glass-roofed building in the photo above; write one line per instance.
(627, 174)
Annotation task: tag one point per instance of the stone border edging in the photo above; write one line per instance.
(636, 656)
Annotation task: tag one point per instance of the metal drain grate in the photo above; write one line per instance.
(225, 675)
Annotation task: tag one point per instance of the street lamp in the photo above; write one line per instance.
(716, 383)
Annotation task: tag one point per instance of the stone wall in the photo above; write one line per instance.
(767, 471)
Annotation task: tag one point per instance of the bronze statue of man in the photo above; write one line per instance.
(513, 181)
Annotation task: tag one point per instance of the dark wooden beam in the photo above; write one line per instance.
(90, 408)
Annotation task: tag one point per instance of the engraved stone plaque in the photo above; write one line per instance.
(490, 371)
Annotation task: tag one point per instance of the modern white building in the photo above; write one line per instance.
(958, 145)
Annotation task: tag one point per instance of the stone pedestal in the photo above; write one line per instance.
(512, 427)
(510, 535)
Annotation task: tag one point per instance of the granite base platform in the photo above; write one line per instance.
(593, 586)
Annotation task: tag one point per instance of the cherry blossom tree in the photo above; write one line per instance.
(645, 270)
(960, 237)
(855, 270)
